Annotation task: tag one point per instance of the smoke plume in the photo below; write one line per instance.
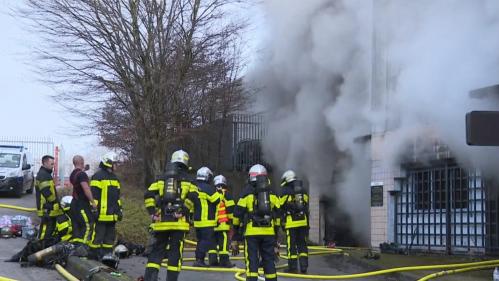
(333, 72)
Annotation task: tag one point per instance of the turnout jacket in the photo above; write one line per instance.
(152, 201)
(291, 218)
(105, 188)
(205, 199)
(244, 211)
(47, 202)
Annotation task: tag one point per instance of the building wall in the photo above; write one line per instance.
(382, 218)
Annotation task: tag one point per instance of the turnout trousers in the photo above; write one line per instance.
(222, 240)
(167, 244)
(206, 244)
(47, 227)
(255, 247)
(103, 238)
(82, 220)
(296, 245)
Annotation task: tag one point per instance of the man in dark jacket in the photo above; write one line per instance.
(47, 203)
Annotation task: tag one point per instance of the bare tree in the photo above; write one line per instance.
(145, 72)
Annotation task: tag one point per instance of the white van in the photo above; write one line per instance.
(16, 174)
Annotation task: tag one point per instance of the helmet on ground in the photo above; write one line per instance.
(287, 177)
(220, 181)
(121, 251)
(111, 260)
(181, 157)
(204, 174)
(108, 159)
(255, 171)
(66, 202)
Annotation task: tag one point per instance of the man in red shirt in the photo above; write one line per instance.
(82, 204)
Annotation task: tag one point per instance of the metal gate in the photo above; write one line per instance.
(247, 134)
(441, 208)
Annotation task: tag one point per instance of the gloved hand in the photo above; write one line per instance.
(120, 214)
(234, 248)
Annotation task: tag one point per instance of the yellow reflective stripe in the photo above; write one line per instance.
(246, 259)
(103, 204)
(44, 231)
(91, 244)
(255, 230)
(205, 223)
(225, 245)
(96, 183)
(229, 203)
(87, 226)
(290, 223)
(107, 246)
(303, 254)
(252, 274)
(188, 203)
(153, 265)
(305, 198)
(105, 183)
(242, 202)
(181, 250)
(62, 226)
(155, 186)
(204, 206)
(274, 200)
(44, 184)
(163, 226)
(214, 197)
(150, 202)
(235, 221)
(273, 275)
(288, 243)
(212, 251)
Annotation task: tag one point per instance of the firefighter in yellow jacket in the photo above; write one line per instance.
(105, 188)
(167, 204)
(294, 207)
(258, 213)
(47, 203)
(225, 211)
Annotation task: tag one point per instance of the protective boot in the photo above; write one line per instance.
(225, 262)
(212, 259)
(151, 274)
(172, 275)
(303, 264)
(292, 266)
(200, 263)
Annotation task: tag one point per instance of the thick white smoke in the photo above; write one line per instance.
(316, 77)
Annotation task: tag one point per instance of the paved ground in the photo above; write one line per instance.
(135, 266)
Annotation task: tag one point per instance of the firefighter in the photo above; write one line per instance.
(167, 204)
(62, 233)
(225, 211)
(83, 205)
(47, 203)
(294, 207)
(105, 188)
(257, 211)
(205, 199)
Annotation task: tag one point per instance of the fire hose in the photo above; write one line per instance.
(239, 272)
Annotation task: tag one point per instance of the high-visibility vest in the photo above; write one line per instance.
(222, 213)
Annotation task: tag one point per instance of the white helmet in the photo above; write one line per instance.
(204, 174)
(66, 201)
(108, 159)
(121, 251)
(287, 177)
(256, 170)
(220, 180)
(180, 156)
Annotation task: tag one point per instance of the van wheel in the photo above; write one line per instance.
(32, 187)
(18, 191)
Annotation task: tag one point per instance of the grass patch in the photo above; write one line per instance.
(135, 223)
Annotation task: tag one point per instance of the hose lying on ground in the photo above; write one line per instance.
(451, 268)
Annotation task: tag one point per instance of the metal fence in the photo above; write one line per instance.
(37, 147)
(247, 134)
(442, 208)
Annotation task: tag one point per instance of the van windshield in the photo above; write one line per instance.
(10, 160)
